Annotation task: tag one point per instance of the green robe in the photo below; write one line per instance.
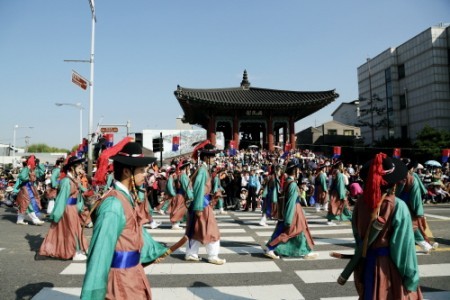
(108, 227)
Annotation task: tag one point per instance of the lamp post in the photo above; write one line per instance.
(91, 91)
(76, 105)
(14, 142)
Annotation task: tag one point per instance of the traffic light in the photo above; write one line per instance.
(158, 145)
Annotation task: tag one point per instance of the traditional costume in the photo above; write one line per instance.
(291, 236)
(384, 237)
(65, 238)
(28, 199)
(338, 208)
(201, 223)
(119, 243)
(270, 198)
(52, 190)
(321, 189)
(411, 191)
(184, 194)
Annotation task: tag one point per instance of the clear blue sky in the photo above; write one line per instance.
(144, 49)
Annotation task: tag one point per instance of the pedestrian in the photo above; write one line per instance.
(65, 238)
(270, 195)
(411, 190)
(291, 236)
(28, 199)
(384, 236)
(338, 209)
(201, 223)
(253, 190)
(120, 245)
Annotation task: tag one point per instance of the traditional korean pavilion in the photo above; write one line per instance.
(250, 115)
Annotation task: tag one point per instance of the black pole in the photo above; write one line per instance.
(162, 148)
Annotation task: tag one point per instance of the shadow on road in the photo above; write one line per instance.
(28, 291)
(213, 293)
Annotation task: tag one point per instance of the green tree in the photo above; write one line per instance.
(44, 148)
(431, 141)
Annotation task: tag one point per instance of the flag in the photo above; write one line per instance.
(445, 155)
(232, 151)
(397, 153)
(175, 143)
(336, 152)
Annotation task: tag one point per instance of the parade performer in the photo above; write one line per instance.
(28, 199)
(65, 238)
(291, 236)
(54, 184)
(184, 195)
(120, 245)
(201, 223)
(385, 261)
(321, 189)
(270, 195)
(218, 190)
(338, 208)
(411, 190)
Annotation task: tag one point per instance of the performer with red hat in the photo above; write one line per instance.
(385, 261)
(120, 244)
(201, 224)
(28, 199)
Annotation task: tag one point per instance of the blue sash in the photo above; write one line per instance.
(369, 270)
(180, 192)
(206, 200)
(125, 259)
(71, 201)
(33, 201)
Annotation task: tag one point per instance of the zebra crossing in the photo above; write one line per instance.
(242, 244)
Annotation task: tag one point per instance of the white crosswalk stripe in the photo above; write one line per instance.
(242, 237)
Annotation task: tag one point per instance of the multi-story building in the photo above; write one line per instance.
(405, 88)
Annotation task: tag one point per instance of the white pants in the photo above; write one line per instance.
(32, 216)
(212, 249)
(50, 205)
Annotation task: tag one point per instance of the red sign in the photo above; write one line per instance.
(79, 80)
(109, 129)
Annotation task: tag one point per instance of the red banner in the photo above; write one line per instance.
(336, 152)
(397, 153)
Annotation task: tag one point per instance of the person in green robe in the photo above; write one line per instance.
(384, 236)
(291, 236)
(411, 190)
(338, 209)
(120, 245)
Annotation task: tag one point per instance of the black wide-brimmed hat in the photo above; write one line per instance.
(72, 161)
(393, 171)
(184, 163)
(410, 164)
(291, 164)
(132, 155)
(208, 150)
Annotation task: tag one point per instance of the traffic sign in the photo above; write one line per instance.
(79, 80)
(109, 129)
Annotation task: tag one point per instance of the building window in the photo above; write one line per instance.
(404, 132)
(349, 132)
(332, 131)
(403, 101)
(401, 71)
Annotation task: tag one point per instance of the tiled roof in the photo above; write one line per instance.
(197, 103)
(254, 98)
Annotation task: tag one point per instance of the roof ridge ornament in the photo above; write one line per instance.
(245, 84)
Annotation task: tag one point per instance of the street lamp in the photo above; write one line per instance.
(76, 105)
(14, 142)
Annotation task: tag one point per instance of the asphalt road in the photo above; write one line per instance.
(247, 269)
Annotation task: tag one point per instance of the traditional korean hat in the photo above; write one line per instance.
(184, 163)
(291, 164)
(380, 173)
(72, 161)
(132, 155)
(208, 150)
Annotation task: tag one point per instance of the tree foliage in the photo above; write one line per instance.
(44, 148)
(431, 141)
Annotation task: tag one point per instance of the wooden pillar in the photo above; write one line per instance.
(292, 132)
(236, 130)
(270, 133)
(212, 129)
